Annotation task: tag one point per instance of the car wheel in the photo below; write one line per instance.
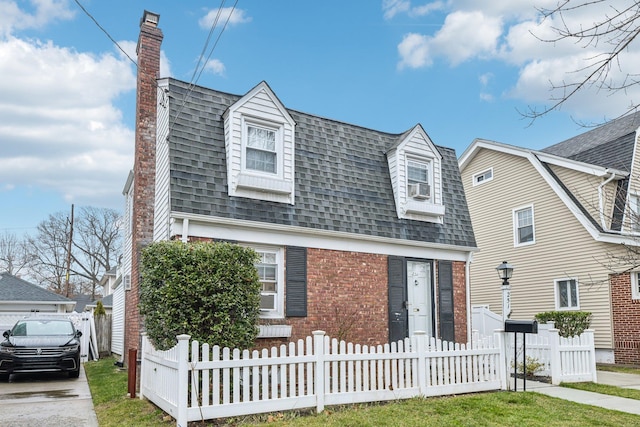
(4, 377)
(74, 374)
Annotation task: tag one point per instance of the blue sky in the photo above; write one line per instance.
(461, 68)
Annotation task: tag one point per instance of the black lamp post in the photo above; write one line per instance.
(505, 271)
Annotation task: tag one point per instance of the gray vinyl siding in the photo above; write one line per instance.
(562, 249)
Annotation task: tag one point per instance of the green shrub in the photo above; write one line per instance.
(99, 311)
(533, 366)
(210, 291)
(569, 323)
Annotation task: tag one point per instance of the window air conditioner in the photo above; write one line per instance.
(420, 191)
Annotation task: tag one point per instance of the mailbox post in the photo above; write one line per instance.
(524, 327)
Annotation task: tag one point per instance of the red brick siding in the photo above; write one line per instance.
(144, 171)
(460, 301)
(346, 297)
(625, 313)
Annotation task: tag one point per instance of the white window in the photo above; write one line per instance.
(270, 273)
(261, 149)
(483, 176)
(634, 212)
(418, 179)
(523, 226)
(635, 284)
(567, 294)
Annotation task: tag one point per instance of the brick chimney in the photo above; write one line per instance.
(144, 168)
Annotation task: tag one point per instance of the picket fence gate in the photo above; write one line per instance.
(198, 382)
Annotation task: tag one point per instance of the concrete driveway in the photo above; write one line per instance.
(46, 399)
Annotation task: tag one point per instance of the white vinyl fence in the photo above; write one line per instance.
(209, 382)
(563, 359)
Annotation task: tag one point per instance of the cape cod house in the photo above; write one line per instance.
(567, 218)
(362, 233)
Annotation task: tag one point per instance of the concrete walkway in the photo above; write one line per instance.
(622, 404)
(49, 399)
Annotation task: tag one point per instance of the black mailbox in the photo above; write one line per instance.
(524, 326)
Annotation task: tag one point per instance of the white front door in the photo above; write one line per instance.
(419, 296)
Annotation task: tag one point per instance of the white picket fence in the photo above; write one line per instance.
(563, 359)
(209, 382)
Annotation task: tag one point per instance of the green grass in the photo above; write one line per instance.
(618, 368)
(629, 393)
(109, 390)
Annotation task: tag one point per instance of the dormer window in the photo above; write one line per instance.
(261, 154)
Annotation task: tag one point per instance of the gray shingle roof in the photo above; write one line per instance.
(342, 180)
(610, 145)
(13, 288)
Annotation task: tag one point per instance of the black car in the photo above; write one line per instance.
(40, 345)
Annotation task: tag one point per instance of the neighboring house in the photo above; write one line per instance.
(565, 217)
(107, 303)
(82, 301)
(20, 296)
(361, 233)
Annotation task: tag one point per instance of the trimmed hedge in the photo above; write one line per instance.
(208, 290)
(569, 323)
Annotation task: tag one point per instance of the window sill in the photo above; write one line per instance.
(420, 207)
(274, 331)
(270, 185)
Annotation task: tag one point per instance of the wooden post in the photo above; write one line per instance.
(133, 365)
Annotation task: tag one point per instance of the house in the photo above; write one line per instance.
(361, 233)
(567, 218)
(19, 296)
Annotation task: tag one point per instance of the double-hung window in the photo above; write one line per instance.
(523, 226)
(270, 276)
(418, 179)
(567, 294)
(635, 284)
(261, 149)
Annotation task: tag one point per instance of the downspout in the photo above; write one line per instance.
(467, 274)
(603, 220)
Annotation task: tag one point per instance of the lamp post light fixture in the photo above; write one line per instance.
(505, 271)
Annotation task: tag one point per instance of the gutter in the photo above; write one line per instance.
(603, 220)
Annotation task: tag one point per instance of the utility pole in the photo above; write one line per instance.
(69, 254)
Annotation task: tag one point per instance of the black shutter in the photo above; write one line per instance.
(398, 322)
(445, 300)
(296, 277)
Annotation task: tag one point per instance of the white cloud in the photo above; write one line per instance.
(516, 34)
(215, 66)
(414, 51)
(42, 12)
(60, 128)
(220, 16)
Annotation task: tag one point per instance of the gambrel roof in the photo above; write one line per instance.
(342, 178)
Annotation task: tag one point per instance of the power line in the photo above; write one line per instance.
(105, 31)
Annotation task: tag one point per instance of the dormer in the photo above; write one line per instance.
(415, 170)
(260, 147)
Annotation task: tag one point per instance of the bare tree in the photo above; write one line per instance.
(609, 37)
(14, 256)
(95, 245)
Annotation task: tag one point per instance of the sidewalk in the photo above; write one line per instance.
(622, 404)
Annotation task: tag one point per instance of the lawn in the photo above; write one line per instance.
(108, 387)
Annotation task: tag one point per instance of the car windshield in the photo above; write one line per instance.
(30, 328)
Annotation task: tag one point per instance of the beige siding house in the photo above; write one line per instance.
(566, 217)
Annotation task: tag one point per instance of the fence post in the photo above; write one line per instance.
(554, 356)
(318, 350)
(143, 353)
(501, 338)
(419, 338)
(588, 333)
(183, 379)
